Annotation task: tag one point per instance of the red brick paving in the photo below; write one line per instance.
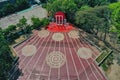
(35, 67)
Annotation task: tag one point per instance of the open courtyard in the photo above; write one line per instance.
(58, 56)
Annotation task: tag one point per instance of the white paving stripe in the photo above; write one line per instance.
(39, 39)
(92, 70)
(89, 46)
(21, 62)
(27, 41)
(68, 74)
(76, 41)
(44, 60)
(81, 38)
(38, 58)
(43, 67)
(73, 62)
(97, 70)
(88, 62)
(90, 65)
(30, 42)
(80, 60)
(59, 67)
(50, 67)
(34, 54)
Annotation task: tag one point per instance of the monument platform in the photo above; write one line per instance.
(53, 27)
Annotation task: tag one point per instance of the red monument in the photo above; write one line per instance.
(60, 17)
(59, 23)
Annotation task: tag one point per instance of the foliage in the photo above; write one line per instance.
(22, 4)
(93, 3)
(85, 7)
(10, 8)
(10, 33)
(5, 58)
(36, 22)
(45, 21)
(22, 23)
(66, 6)
(106, 64)
(115, 17)
(93, 20)
(118, 59)
(43, 1)
(9, 29)
(13, 32)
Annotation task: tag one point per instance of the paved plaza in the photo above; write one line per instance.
(58, 56)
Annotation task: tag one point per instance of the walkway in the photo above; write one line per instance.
(58, 56)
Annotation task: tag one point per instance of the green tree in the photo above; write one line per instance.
(112, 1)
(45, 21)
(9, 29)
(9, 8)
(94, 20)
(80, 3)
(1, 14)
(115, 17)
(22, 23)
(67, 6)
(36, 23)
(10, 33)
(93, 3)
(85, 7)
(5, 58)
(22, 4)
(43, 1)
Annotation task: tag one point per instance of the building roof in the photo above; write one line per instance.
(60, 13)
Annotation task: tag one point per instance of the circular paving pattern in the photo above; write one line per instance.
(73, 34)
(84, 53)
(58, 36)
(56, 59)
(43, 33)
(28, 50)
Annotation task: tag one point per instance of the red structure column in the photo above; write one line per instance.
(60, 24)
(59, 17)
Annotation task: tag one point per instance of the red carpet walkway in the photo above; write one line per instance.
(58, 56)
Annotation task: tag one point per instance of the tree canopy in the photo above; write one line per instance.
(10, 8)
(115, 17)
(6, 58)
(67, 6)
(93, 3)
(93, 19)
